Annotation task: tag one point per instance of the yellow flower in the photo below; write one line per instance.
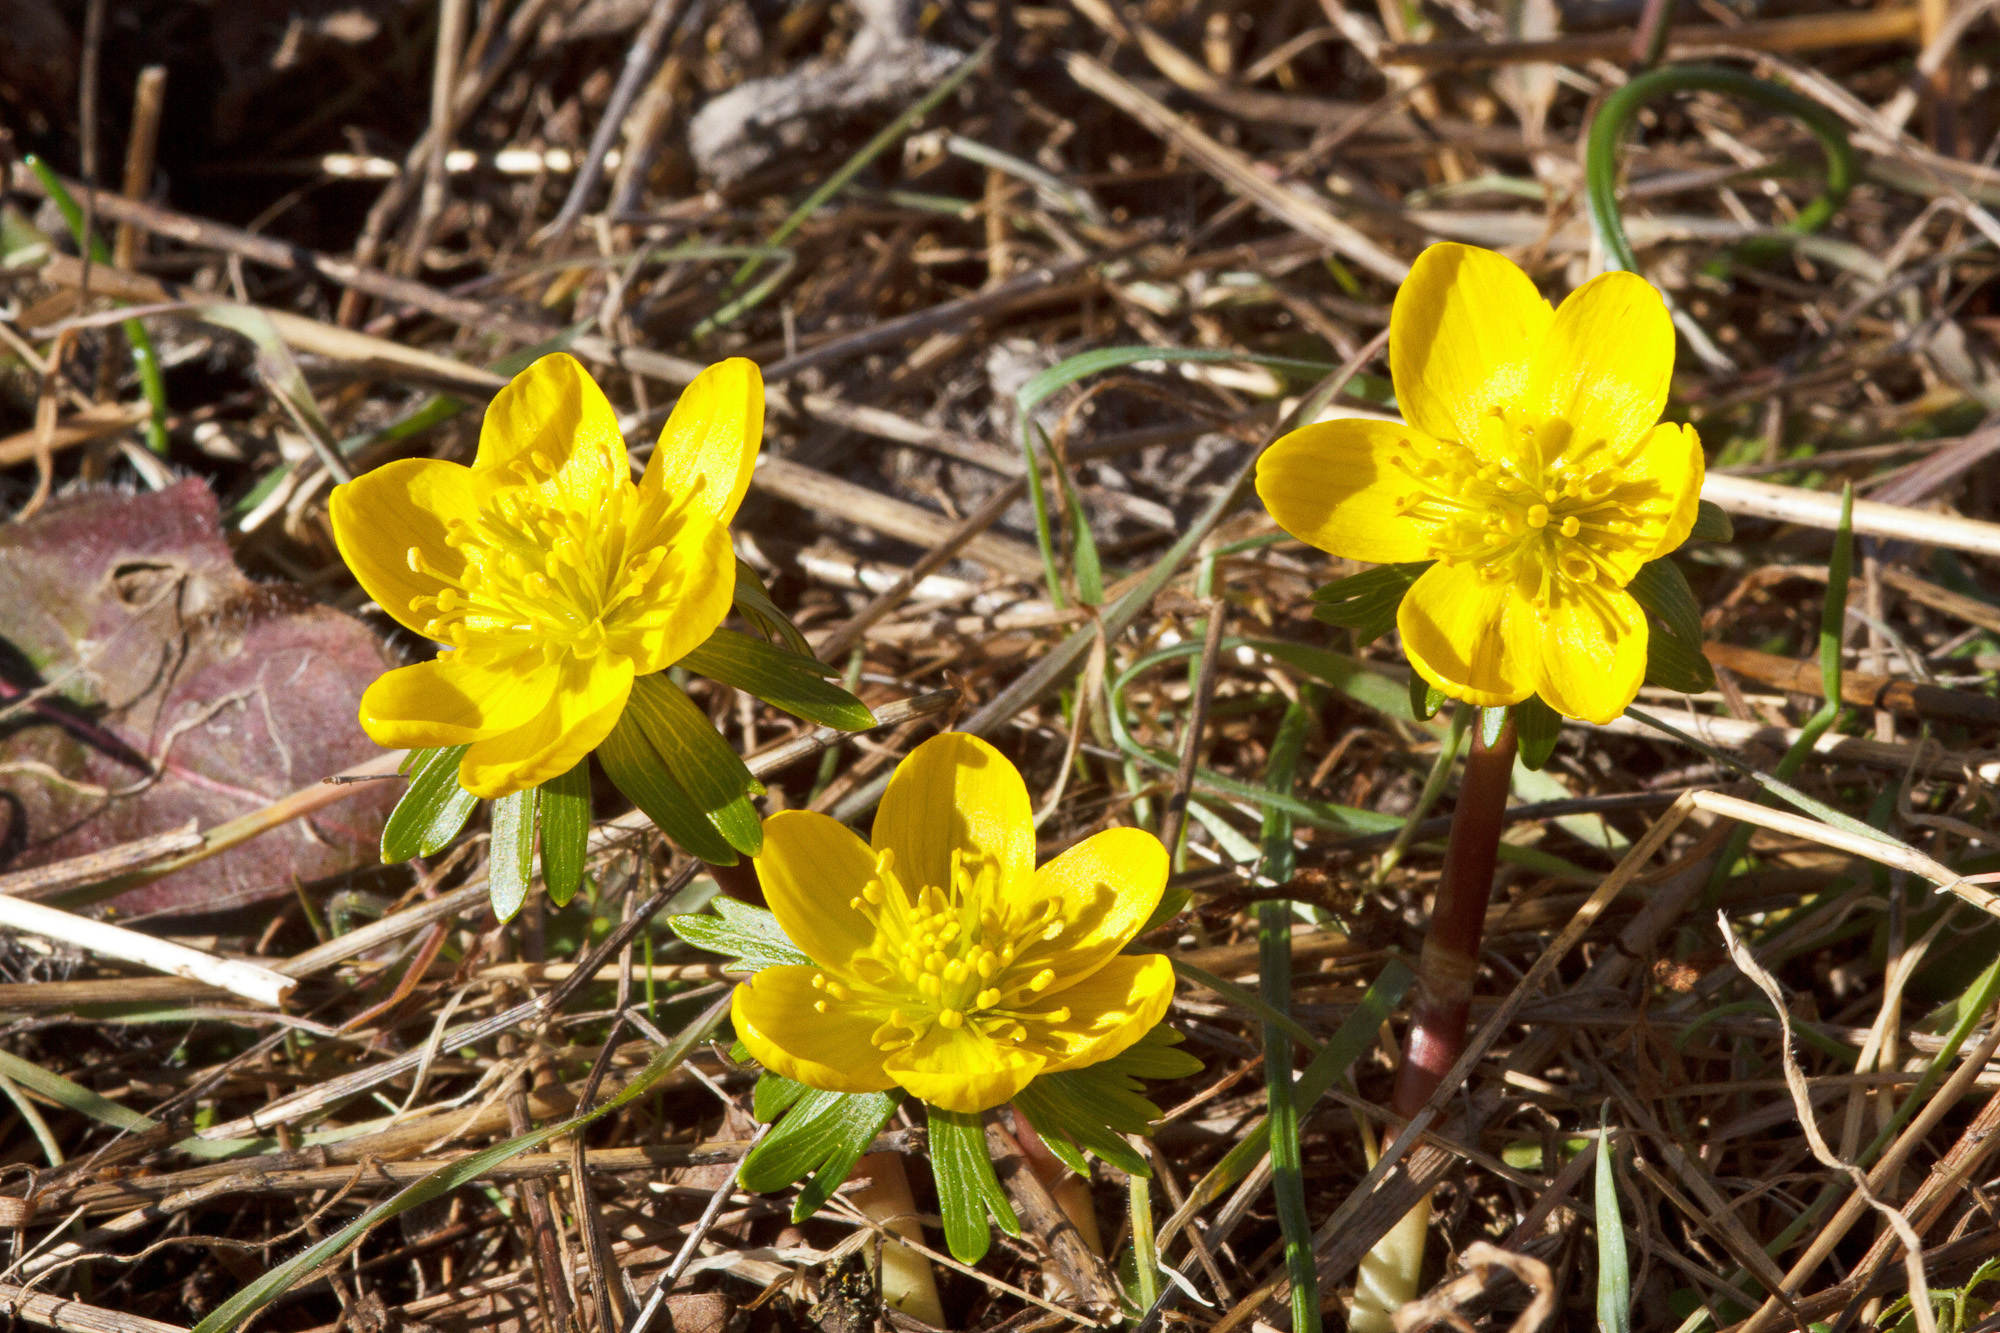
(945, 962)
(1534, 471)
(550, 576)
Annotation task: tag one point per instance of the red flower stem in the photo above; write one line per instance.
(1458, 920)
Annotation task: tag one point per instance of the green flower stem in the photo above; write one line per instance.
(1607, 134)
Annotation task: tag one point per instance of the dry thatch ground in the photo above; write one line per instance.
(1246, 178)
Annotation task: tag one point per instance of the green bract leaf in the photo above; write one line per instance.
(1491, 722)
(1711, 524)
(1673, 665)
(780, 677)
(638, 770)
(1537, 727)
(1425, 698)
(749, 937)
(967, 1188)
(1674, 659)
(508, 868)
(565, 832)
(700, 760)
(1172, 903)
(1089, 1109)
(1366, 602)
(1663, 589)
(754, 604)
(822, 1134)
(773, 1094)
(433, 809)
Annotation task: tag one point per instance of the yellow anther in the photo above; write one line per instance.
(951, 1018)
(1538, 516)
(1570, 526)
(1042, 980)
(987, 998)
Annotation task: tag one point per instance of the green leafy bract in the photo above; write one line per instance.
(1673, 660)
(749, 937)
(1090, 1108)
(433, 809)
(565, 832)
(1537, 727)
(780, 677)
(967, 1188)
(754, 604)
(1711, 524)
(701, 762)
(644, 776)
(510, 867)
(1425, 698)
(822, 1134)
(1366, 602)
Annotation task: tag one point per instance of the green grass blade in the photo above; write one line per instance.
(1274, 981)
(73, 1096)
(144, 359)
(1614, 1269)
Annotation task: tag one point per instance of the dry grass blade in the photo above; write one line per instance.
(1181, 213)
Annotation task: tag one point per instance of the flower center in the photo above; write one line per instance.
(1554, 519)
(548, 566)
(951, 958)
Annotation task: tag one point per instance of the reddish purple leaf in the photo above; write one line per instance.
(161, 653)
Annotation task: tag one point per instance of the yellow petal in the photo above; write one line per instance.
(774, 1015)
(1107, 886)
(1605, 365)
(1336, 486)
(811, 868)
(1672, 461)
(584, 706)
(955, 791)
(709, 444)
(963, 1069)
(381, 514)
(1451, 623)
(685, 599)
(1119, 1003)
(455, 699)
(1461, 333)
(1589, 656)
(548, 416)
